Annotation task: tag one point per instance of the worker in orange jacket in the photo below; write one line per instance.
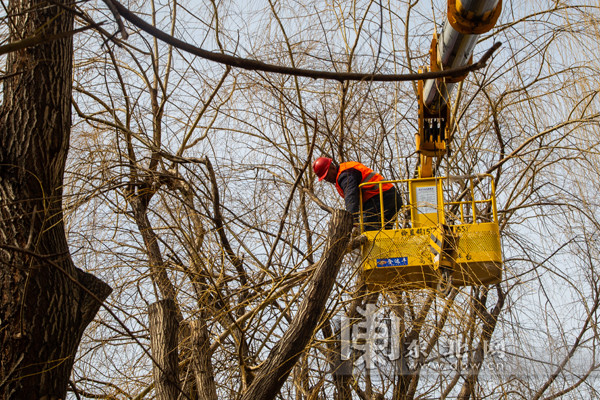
(347, 177)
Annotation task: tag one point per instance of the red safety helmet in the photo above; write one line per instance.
(321, 166)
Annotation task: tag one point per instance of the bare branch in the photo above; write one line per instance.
(255, 65)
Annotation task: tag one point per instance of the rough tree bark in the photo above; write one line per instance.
(205, 380)
(278, 365)
(164, 332)
(45, 301)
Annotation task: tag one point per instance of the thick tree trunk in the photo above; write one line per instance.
(284, 355)
(205, 380)
(45, 301)
(164, 333)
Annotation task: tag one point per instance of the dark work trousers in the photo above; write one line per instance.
(392, 203)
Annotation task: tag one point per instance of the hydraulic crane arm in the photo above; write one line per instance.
(466, 20)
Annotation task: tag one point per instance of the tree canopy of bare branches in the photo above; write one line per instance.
(188, 189)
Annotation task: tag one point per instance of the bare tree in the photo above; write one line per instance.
(190, 183)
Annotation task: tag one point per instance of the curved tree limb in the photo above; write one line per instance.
(278, 365)
(255, 65)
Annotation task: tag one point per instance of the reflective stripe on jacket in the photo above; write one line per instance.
(367, 176)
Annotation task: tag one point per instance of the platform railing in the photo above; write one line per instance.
(464, 210)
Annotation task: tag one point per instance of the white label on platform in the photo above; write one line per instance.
(426, 199)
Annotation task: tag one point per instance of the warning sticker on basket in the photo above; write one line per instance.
(392, 262)
(426, 199)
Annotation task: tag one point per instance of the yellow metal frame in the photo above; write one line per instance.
(430, 141)
(402, 258)
(425, 143)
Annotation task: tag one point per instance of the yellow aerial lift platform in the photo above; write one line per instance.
(439, 243)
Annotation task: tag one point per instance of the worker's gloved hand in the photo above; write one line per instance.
(355, 231)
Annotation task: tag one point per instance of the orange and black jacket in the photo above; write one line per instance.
(350, 175)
